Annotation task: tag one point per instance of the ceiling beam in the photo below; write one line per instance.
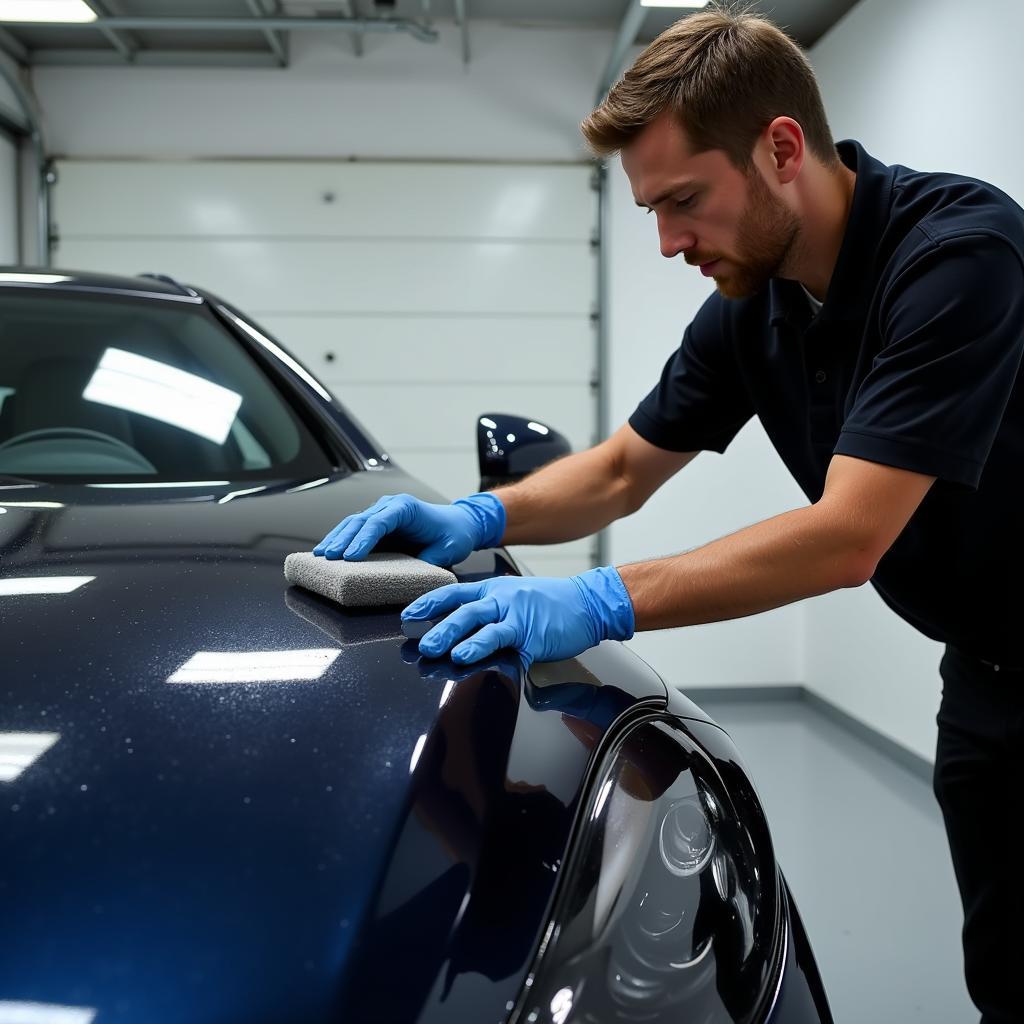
(276, 24)
(158, 58)
(276, 44)
(126, 48)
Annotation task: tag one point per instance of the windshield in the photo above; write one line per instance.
(100, 386)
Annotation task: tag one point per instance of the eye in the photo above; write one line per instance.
(682, 204)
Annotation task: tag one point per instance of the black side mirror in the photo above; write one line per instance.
(510, 447)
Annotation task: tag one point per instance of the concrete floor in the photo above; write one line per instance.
(861, 841)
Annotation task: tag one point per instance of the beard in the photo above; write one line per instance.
(767, 233)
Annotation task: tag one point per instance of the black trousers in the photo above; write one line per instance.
(979, 783)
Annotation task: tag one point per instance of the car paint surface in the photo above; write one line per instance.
(210, 850)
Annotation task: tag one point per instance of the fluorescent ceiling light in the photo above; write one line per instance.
(12, 1012)
(19, 750)
(129, 381)
(28, 278)
(692, 4)
(46, 10)
(255, 666)
(42, 584)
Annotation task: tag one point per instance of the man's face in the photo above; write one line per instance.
(728, 223)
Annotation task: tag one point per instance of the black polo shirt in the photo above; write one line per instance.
(913, 361)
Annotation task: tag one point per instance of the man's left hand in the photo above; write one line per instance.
(545, 619)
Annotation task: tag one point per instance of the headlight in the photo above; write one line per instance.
(669, 907)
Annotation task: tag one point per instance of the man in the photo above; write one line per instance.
(873, 318)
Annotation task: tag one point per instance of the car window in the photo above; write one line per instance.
(121, 388)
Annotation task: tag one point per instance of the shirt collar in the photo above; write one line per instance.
(852, 278)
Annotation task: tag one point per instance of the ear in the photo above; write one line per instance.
(786, 149)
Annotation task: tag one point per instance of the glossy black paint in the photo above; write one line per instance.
(264, 851)
(801, 995)
(211, 851)
(510, 447)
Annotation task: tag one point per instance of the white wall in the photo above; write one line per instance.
(926, 84)
(522, 97)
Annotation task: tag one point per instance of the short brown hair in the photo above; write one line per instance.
(726, 75)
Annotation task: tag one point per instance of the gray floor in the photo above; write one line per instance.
(862, 845)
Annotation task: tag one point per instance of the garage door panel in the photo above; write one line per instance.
(317, 276)
(436, 350)
(445, 416)
(325, 199)
(441, 291)
(451, 471)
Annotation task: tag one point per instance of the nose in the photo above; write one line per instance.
(674, 241)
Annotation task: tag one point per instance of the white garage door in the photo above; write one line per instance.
(422, 294)
(8, 199)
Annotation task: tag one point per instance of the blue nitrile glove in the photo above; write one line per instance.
(545, 619)
(450, 532)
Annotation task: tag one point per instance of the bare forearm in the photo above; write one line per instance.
(571, 498)
(788, 558)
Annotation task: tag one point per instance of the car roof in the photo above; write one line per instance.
(53, 277)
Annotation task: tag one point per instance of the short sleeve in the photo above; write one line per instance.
(700, 402)
(953, 335)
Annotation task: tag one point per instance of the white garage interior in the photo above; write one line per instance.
(415, 291)
(399, 193)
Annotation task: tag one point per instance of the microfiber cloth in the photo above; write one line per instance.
(382, 578)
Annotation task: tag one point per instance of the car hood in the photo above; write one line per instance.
(224, 798)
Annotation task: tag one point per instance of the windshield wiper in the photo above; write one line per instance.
(18, 481)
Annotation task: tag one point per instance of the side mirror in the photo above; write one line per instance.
(510, 447)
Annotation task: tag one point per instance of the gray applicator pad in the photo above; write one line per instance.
(383, 578)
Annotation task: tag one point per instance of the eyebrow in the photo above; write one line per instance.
(666, 193)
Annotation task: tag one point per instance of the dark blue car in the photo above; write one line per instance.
(224, 799)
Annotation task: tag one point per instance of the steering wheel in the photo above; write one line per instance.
(54, 433)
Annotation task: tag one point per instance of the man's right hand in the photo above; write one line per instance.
(449, 532)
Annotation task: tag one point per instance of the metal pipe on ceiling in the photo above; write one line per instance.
(357, 39)
(460, 20)
(126, 48)
(628, 29)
